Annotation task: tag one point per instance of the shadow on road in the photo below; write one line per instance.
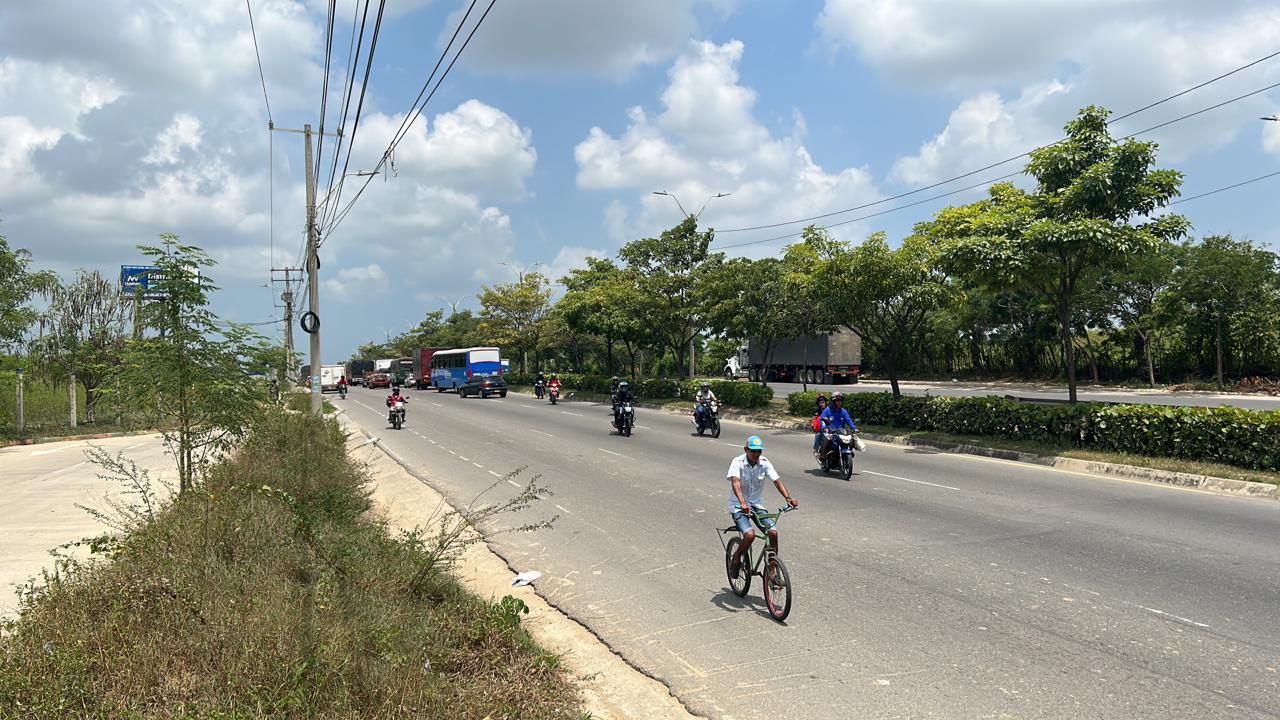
(726, 600)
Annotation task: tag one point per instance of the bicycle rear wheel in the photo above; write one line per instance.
(740, 583)
(777, 588)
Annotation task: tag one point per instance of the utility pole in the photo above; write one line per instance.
(693, 365)
(287, 296)
(311, 318)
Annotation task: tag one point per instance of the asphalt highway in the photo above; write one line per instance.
(930, 585)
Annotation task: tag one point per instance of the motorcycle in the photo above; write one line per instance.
(626, 418)
(342, 391)
(708, 419)
(396, 415)
(553, 393)
(538, 389)
(839, 456)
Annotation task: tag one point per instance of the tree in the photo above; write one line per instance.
(745, 301)
(512, 313)
(606, 301)
(83, 332)
(671, 270)
(17, 287)
(1220, 280)
(1089, 190)
(1135, 293)
(192, 375)
(884, 295)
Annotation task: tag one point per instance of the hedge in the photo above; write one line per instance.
(735, 394)
(1245, 438)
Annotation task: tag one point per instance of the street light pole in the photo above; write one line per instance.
(693, 365)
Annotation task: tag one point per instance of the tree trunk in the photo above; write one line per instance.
(1151, 365)
(1068, 350)
(90, 404)
(1217, 341)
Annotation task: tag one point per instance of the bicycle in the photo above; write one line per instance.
(777, 581)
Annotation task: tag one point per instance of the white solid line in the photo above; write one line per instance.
(918, 482)
(566, 412)
(494, 474)
(478, 465)
(514, 483)
(1161, 612)
(614, 453)
(563, 509)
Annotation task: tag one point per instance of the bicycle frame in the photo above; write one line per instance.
(757, 519)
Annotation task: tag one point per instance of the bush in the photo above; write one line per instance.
(731, 393)
(802, 403)
(1244, 438)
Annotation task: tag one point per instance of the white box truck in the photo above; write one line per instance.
(329, 376)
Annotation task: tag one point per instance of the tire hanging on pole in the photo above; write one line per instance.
(310, 323)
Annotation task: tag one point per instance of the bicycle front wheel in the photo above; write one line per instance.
(740, 583)
(777, 588)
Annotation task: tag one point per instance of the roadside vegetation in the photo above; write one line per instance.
(270, 591)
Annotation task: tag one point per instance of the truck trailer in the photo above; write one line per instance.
(422, 366)
(823, 359)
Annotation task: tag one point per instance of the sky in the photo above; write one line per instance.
(124, 119)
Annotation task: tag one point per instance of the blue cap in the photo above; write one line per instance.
(755, 443)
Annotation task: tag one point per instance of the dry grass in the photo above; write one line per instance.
(268, 593)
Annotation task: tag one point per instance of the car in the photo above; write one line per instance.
(378, 380)
(356, 380)
(484, 386)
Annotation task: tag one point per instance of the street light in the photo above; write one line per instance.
(696, 215)
(453, 306)
(520, 273)
(1273, 118)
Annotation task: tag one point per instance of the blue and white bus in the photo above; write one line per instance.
(451, 368)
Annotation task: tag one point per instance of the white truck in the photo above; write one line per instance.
(329, 376)
(821, 359)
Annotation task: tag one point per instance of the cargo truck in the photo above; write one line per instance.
(422, 366)
(825, 359)
(329, 376)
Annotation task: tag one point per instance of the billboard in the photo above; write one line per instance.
(133, 277)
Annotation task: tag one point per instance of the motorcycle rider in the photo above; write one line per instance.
(821, 403)
(538, 384)
(395, 397)
(620, 395)
(701, 399)
(342, 385)
(554, 382)
(834, 418)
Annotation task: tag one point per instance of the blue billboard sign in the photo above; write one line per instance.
(133, 277)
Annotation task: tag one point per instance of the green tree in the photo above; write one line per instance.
(1136, 291)
(511, 313)
(1090, 189)
(1219, 281)
(191, 376)
(606, 301)
(83, 331)
(671, 271)
(18, 285)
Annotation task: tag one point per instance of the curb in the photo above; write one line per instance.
(1244, 488)
(72, 438)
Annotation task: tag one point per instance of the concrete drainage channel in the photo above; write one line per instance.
(1169, 477)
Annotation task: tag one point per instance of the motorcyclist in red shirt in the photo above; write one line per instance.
(396, 396)
(554, 382)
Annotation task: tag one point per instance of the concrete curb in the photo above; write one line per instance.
(72, 438)
(1245, 488)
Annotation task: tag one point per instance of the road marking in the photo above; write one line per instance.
(528, 406)
(135, 445)
(644, 427)
(61, 470)
(731, 444)
(564, 509)
(34, 453)
(437, 404)
(494, 474)
(614, 453)
(498, 400)
(543, 433)
(478, 465)
(918, 482)
(467, 459)
(433, 442)
(664, 567)
(566, 412)
(451, 452)
(514, 483)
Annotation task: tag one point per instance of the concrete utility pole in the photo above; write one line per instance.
(311, 318)
(71, 395)
(19, 414)
(287, 296)
(693, 365)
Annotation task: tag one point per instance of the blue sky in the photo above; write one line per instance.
(544, 144)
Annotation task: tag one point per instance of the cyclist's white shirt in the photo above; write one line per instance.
(752, 479)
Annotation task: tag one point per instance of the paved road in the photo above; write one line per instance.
(931, 585)
(1051, 392)
(42, 484)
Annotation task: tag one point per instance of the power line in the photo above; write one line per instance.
(971, 173)
(390, 148)
(324, 90)
(353, 58)
(261, 76)
(1225, 188)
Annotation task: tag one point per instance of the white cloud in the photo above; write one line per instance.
(183, 133)
(594, 38)
(1061, 55)
(1271, 138)
(357, 283)
(706, 141)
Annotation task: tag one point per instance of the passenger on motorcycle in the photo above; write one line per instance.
(613, 389)
(834, 417)
(821, 403)
(703, 397)
(621, 395)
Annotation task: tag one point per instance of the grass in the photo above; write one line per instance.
(1193, 467)
(45, 410)
(301, 401)
(268, 592)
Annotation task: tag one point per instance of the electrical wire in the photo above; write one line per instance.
(324, 91)
(1006, 161)
(261, 76)
(1225, 188)
(353, 57)
(390, 148)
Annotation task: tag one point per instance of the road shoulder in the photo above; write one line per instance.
(611, 688)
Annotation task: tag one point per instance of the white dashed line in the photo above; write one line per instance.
(563, 509)
(494, 474)
(918, 482)
(478, 465)
(543, 433)
(466, 459)
(451, 452)
(135, 445)
(514, 483)
(437, 404)
(566, 412)
(614, 453)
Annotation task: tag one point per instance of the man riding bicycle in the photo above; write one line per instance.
(747, 473)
